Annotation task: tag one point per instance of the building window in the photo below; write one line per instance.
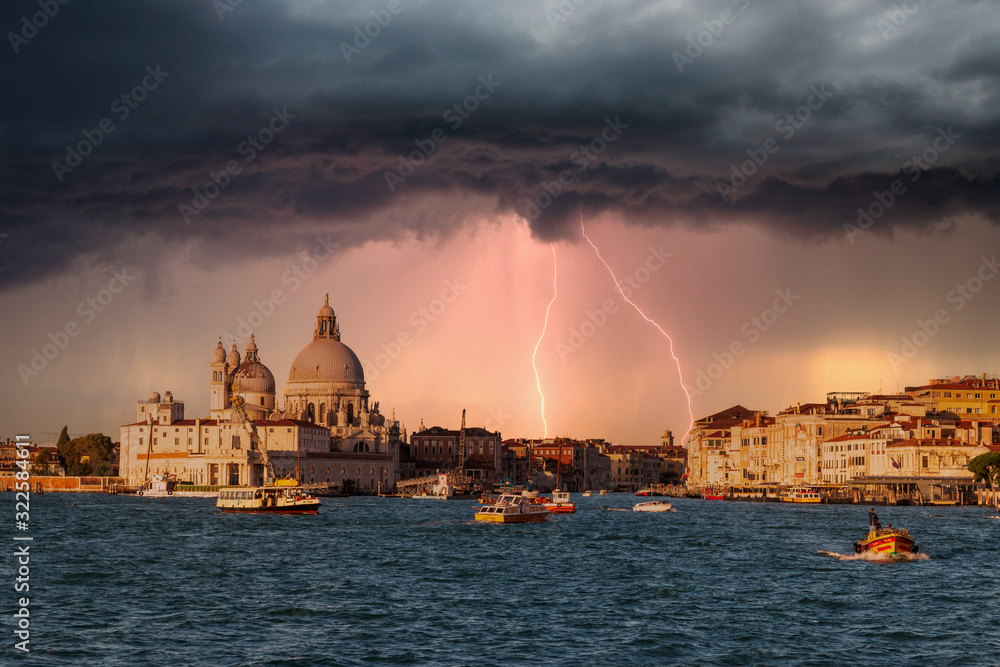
(236, 442)
(925, 462)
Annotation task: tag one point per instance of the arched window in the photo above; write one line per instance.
(350, 413)
(322, 413)
(311, 413)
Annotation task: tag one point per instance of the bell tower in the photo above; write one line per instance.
(219, 387)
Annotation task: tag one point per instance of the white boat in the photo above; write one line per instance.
(603, 492)
(801, 494)
(653, 506)
(160, 485)
(586, 494)
(442, 490)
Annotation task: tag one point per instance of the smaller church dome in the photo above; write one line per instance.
(253, 377)
(154, 397)
(234, 357)
(219, 353)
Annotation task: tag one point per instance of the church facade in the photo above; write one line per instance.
(328, 431)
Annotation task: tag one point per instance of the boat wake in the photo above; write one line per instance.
(874, 557)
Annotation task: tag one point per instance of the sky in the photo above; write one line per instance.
(803, 196)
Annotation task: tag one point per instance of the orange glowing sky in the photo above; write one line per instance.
(620, 383)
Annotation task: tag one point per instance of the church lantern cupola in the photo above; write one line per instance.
(326, 323)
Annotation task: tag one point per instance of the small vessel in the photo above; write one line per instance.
(644, 492)
(888, 541)
(512, 509)
(653, 506)
(603, 492)
(282, 497)
(442, 490)
(713, 493)
(560, 503)
(428, 496)
(801, 495)
(586, 494)
(160, 485)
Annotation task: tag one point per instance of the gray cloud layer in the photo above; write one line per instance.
(890, 85)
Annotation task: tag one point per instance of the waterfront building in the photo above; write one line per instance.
(627, 468)
(756, 441)
(968, 395)
(591, 469)
(438, 448)
(710, 451)
(855, 455)
(328, 430)
(932, 457)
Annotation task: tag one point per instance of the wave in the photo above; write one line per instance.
(874, 557)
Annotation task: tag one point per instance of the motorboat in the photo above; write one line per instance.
(586, 494)
(283, 497)
(560, 503)
(886, 541)
(653, 506)
(512, 509)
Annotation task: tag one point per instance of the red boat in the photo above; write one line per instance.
(713, 494)
(559, 504)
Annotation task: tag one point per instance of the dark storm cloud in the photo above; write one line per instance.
(592, 92)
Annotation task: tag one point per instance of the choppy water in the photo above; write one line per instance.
(134, 581)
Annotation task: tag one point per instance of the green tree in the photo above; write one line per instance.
(87, 454)
(986, 467)
(62, 448)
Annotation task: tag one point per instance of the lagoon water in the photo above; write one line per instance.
(371, 581)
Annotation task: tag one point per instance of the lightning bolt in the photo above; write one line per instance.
(538, 381)
(677, 362)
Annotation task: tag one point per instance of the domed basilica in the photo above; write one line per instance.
(327, 433)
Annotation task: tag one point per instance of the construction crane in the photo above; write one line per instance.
(255, 442)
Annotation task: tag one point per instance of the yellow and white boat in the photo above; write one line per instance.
(801, 495)
(890, 541)
(283, 497)
(512, 509)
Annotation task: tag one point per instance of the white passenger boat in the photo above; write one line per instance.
(801, 494)
(653, 506)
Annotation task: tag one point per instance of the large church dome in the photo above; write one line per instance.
(326, 360)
